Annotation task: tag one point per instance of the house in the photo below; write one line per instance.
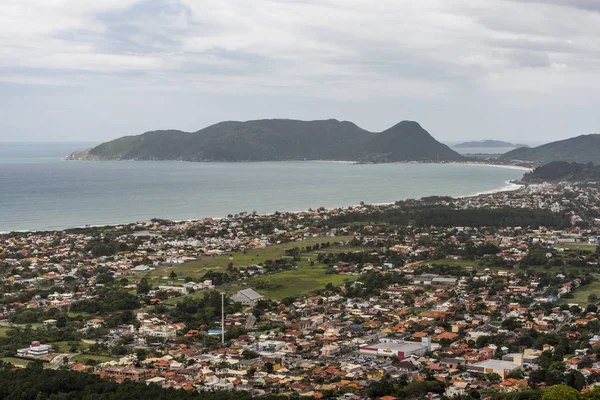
(247, 297)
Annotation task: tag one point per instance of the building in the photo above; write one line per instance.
(397, 348)
(120, 374)
(177, 289)
(247, 297)
(35, 350)
(499, 367)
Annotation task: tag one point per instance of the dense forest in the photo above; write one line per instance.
(558, 171)
(278, 139)
(446, 216)
(581, 149)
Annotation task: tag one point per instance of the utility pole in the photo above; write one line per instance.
(222, 318)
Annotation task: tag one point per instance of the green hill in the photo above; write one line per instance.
(278, 139)
(563, 171)
(580, 149)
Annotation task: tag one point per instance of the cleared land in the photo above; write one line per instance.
(17, 362)
(580, 294)
(197, 269)
(98, 358)
(295, 282)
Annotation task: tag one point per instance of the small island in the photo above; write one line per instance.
(487, 144)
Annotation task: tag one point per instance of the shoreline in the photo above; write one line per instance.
(508, 187)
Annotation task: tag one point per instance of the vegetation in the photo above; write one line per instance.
(36, 383)
(558, 171)
(279, 139)
(580, 149)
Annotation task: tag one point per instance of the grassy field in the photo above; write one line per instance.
(295, 282)
(577, 246)
(82, 358)
(64, 347)
(17, 362)
(3, 330)
(197, 269)
(580, 294)
(453, 263)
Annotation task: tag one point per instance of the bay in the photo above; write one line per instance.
(40, 191)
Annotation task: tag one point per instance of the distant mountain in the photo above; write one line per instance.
(563, 171)
(580, 149)
(278, 139)
(487, 144)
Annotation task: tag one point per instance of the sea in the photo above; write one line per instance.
(41, 191)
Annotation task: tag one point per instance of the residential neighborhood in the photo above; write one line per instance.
(362, 302)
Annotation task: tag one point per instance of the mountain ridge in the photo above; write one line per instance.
(578, 149)
(277, 140)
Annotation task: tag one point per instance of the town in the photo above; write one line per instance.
(438, 297)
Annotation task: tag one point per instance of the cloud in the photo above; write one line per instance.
(339, 51)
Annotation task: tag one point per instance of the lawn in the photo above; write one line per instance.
(3, 330)
(82, 358)
(295, 282)
(453, 263)
(17, 362)
(64, 346)
(577, 246)
(580, 294)
(197, 269)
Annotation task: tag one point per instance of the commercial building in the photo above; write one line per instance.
(35, 350)
(247, 297)
(396, 348)
(499, 367)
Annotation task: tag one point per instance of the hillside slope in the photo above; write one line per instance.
(278, 139)
(580, 149)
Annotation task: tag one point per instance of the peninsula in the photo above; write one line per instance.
(278, 140)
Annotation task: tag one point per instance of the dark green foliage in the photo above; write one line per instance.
(280, 139)
(110, 300)
(34, 383)
(563, 171)
(582, 149)
(448, 217)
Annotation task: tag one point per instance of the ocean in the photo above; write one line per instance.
(40, 191)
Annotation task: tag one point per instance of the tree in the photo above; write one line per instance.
(173, 275)
(561, 392)
(493, 377)
(269, 367)
(576, 380)
(593, 297)
(144, 286)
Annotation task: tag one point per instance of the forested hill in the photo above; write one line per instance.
(580, 149)
(278, 139)
(558, 171)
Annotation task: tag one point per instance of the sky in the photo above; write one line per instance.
(93, 70)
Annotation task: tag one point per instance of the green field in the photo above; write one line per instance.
(17, 362)
(295, 282)
(580, 294)
(64, 347)
(197, 269)
(577, 246)
(3, 330)
(453, 263)
(82, 358)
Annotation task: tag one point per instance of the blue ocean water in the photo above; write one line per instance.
(40, 191)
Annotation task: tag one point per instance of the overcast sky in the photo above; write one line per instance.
(92, 70)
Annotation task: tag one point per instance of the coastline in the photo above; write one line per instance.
(508, 187)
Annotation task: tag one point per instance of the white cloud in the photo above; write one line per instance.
(454, 51)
